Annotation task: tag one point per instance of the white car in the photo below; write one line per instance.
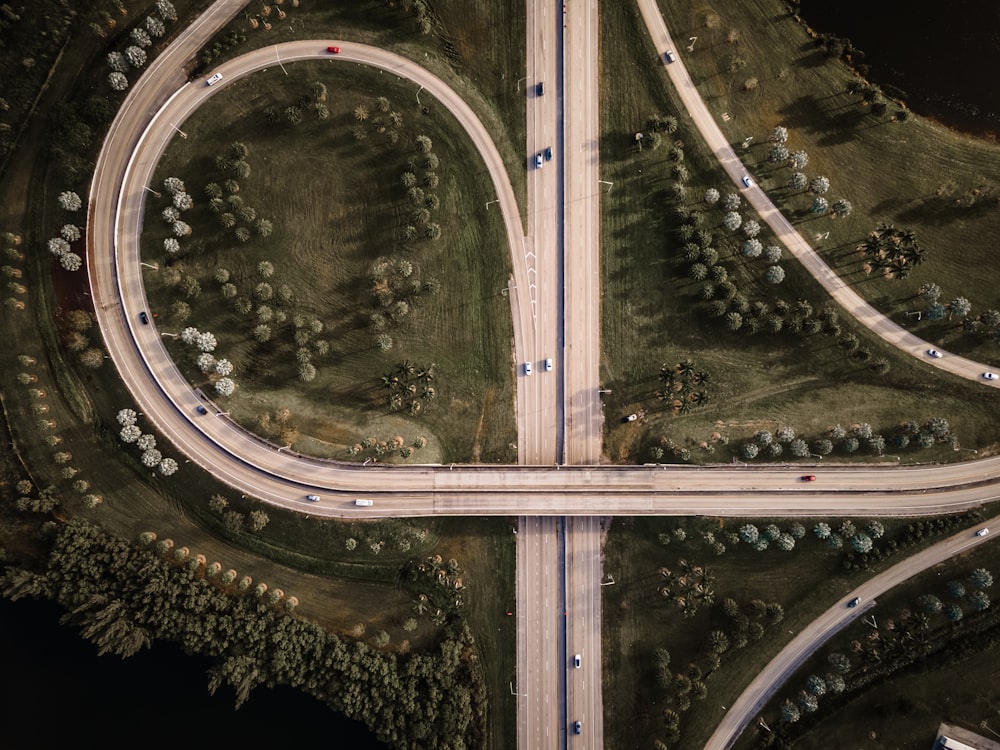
(214, 79)
(990, 375)
(747, 182)
(548, 364)
(538, 161)
(670, 56)
(982, 532)
(934, 353)
(577, 661)
(312, 498)
(527, 368)
(364, 503)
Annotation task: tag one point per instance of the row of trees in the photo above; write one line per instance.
(908, 434)
(141, 38)
(131, 434)
(124, 596)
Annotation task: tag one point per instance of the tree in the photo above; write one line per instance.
(929, 292)
(171, 246)
(732, 221)
(959, 306)
(732, 202)
(953, 612)
(92, 358)
(819, 206)
(140, 37)
(798, 448)
(117, 63)
(797, 181)
(151, 458)
(842, 208)
(751, 228)
(980, 578)
(70, 261)
(819, 185)
(816, 685)
(136, 56)
(118, 81)
(180, 229)
(778, 155)
(779, 135)
(155, 27)
(168, 466)
(798, 160)
(790, 712)
(979, 601)
(749, 533)
(774, 275)
(70, 201)
(225, 386)
(258, 520)
(166, 10)
(711, 196)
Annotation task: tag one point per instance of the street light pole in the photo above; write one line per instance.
(183, 134)
(149, 265)
(146, 187)
(276, 57)
(519, 81)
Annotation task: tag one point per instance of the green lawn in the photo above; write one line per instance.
(903, 711)
(645, 555)
(652, 314)
(914, 174)
(339, 209)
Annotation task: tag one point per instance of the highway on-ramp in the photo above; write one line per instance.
(794, 655)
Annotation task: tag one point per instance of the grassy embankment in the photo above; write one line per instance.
(82, 405)
(652, 314)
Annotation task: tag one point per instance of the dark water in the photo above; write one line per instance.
(945, 56)
(55, 692)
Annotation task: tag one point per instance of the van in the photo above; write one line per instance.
(364, 503)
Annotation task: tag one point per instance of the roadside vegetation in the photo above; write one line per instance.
(881, 680)
(690, 276)
(314, 249)
(700, 605)
(83, 451)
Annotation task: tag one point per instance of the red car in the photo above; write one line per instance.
(333, 50)
(808, 477)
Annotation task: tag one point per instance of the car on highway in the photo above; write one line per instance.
(854, 602)
(548, 364)
(577, 661)
(548, 154)
(539, 89)
(808, 477)
(364, 503)
(527, 368)
(312, 498)
(982, 532)
(990, 375)
(538, 160)
(747, 182)
(144, 318)
(934, 353)
(333, 50)
(214, 79)
(201, 409)
(670, 56)
(578, 727)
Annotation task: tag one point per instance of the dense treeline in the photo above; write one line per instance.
(123, 596)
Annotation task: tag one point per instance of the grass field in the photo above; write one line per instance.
(638, 619)
(652, 316)
(914, 174)
(903, 712)
(305, 557)
(338, 208)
